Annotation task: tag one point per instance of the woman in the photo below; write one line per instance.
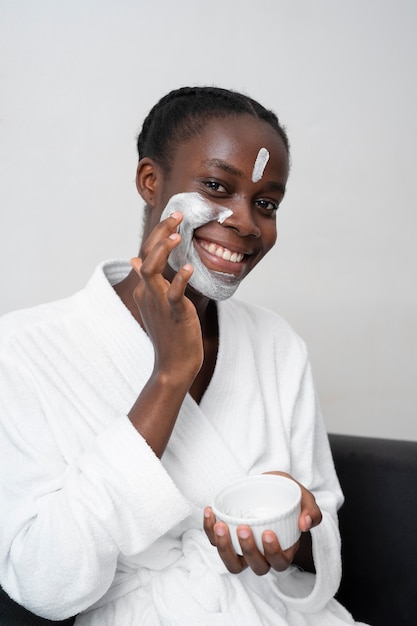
(127, 406)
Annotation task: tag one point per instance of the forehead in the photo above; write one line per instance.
(236, 140)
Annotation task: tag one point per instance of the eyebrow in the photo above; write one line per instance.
(234, 171)
(274, 186)
(223, 165)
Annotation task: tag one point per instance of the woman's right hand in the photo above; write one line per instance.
(172, 324)
(168, 316)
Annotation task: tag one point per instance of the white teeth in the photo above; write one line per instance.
(222, 253)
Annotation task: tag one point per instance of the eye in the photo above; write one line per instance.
(267, 206)
(215, 186)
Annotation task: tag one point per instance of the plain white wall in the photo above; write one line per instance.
(77, 79)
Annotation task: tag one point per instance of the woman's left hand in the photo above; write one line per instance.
(274, 557)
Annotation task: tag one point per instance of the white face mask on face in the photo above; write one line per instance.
(198, 211)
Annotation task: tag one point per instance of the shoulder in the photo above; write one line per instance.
(96, 294)
(18, 321)
(23, 328)
(263, 325)
(264, 319)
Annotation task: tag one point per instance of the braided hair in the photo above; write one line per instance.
(183, 113)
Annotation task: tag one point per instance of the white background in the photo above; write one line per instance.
(77, 78)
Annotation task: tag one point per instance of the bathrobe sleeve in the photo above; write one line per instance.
(312, 465)
(64, 524)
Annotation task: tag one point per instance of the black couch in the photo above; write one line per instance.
(378, 525)
(379, 541)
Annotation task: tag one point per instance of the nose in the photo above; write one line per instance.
(242, 220)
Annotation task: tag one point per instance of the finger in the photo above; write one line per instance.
(178, 285)
(252, 555)
(310, 515)
(161, 231)
(209, 521)
(305, 522)
(156, 261)
(234, 563)
(176, 216)
(136, 263)
(277, 558)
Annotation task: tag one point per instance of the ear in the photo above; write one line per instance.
(148, 178)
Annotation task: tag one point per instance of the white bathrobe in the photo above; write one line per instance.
(93, 523)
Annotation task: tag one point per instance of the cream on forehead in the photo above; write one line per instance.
(260, 164)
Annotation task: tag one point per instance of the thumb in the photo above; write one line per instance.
(136, 263)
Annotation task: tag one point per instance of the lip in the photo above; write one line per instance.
(217, 263)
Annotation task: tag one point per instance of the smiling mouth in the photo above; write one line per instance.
(221, 252)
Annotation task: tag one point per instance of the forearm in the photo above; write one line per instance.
(156, 409)
(99, 507)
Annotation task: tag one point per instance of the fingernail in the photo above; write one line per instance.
(220, 531)
(309, 522)
(175, 214)
(207, 513)
(243, 533)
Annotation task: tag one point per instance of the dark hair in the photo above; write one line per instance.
(182, 114)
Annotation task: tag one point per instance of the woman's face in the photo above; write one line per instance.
(219, 165)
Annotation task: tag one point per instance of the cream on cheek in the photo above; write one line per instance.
(198, 211)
